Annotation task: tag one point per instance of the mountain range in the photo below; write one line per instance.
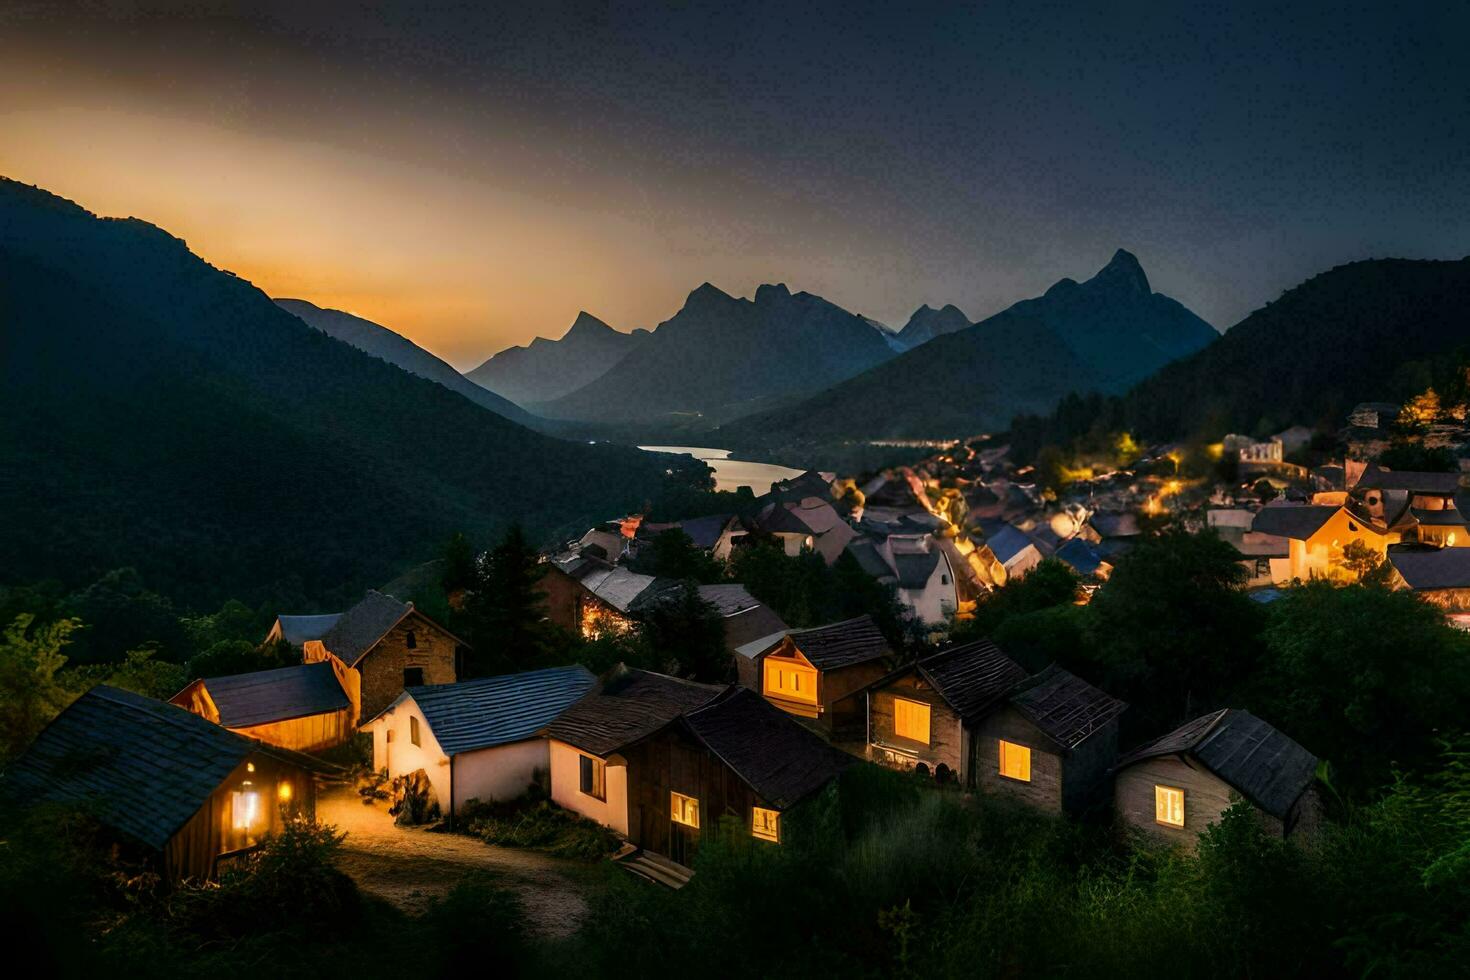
(160, 413)
(720, 357)
(928, 323)
(548, 369)
(1098, 335)
(385, 344)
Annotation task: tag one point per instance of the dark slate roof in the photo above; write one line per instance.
(143, 767)
(490, 711)
(296, 630)
(625, 707)
(852, 641)
(868, 558)
(264, 696)
(1064, 706)
(1114, 524)
(1448, 517)
(1259, 762)
(728, 599)
(914, 568)
(1007, 543)
(971, 676)
(1427, 569)
(705, 531)
(1299, 521)
(1081, 556)
(778, 757)
(362, 626)
(1413, 481)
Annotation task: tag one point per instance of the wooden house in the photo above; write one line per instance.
(1316, 535)
(477, 739)
(307, 707)
(165, 781)
(590, 597)
(1179, 784)
(731, 760)
(922, 716)
(813, 672)
(1050, 742)
(745, 618)
(389, 643)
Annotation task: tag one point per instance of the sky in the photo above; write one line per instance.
(472, 175)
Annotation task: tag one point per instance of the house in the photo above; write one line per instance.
(589, 597)
(1179, 784)
(478, 739)
(1427, 491)
(1082, 557)
(717, 534)
(168, 783)
(726, 754)
(812, 672)
(1257, 549)
(745, 618)
(588, 775)
(915, 564)
(922, 715)
(1373, 415)
(609, 540)
(306, 707)
(1316, 535)
(1050, 743)
(1439, 574)
(808, 524)
(1010, 553)
(389, 643)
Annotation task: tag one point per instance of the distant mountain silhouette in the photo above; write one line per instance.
(720, 357)
(389, 346)
(547, 369)
(928, 323)
(160, 413)
(1092, 336)
(1364, 331)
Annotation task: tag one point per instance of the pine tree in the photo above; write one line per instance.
(506, 611)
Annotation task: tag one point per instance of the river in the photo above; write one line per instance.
(731, 474)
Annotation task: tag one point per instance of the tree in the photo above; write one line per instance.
(1050, 583)
(1415, 456)
(687, 632)
(1365, 564)
(459, 565)
(506, 610)
(122, 614)
(673, 554)
(31, 694)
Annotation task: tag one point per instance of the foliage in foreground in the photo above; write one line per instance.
(540, 826)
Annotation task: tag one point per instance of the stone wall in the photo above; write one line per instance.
(946, 735)
(383, 666)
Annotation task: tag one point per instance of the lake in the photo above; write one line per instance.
(731, 474)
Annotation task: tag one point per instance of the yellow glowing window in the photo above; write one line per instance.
(911, 720)
(684, 809)
(765, 824)
(1169, 806)
(791, 681)
(1015, 761)
(244, 809)
(283, 792)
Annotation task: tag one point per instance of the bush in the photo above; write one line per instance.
(539, 826)
(478, 923)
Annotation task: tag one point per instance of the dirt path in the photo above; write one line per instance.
(408, 867)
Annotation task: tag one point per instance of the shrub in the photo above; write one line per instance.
(539, 826)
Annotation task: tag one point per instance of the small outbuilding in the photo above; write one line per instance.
(478, 739)
(307, 707)
(165, 781)
(813, 672)
(1179, 784)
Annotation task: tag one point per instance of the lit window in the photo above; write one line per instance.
(244, 808)
(684, 809)
(791, 681)
(413, 729)
(1015, 761)
(593, 777)
(911, 720)
(1169, 806)
(765, 824)
(283, 792)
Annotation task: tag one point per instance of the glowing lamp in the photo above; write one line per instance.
(283, 792)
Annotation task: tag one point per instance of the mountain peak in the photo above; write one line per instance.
(1124, 272)
(769, 292)
(586, 324)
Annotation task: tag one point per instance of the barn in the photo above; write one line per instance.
(306, 707)
(166, 782)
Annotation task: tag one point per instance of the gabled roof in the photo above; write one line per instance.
(296, 630)
(852, 641)
(1064, 706)
(1008, 542)
(1115, 524)
(972, 676)
(758, 646)
(626, 706)
(360, 628)
(746, 618)
(869, 558)
(1254, 758)
(1376, 477)
(728, 598)
(1081, 556)
(265, 696)
(1426, 569)
(619, 587)
(1448, 517)
(490, 711)
(778, 757)
(915, 567)
(705, 532)
(143, 767)
(1299, 521)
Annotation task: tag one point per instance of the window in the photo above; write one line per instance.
(786, 679)
(911, 720)
(765, 824)
(1169, 806)
(244, 809)
(413, 676)
(413, 729)
(411, 640)
(684, 809)
(1015, 761)
(594, 777)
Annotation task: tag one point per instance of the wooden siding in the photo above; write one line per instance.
(946, 732)
(310, 733)
(1044, 791)
(1206, 797)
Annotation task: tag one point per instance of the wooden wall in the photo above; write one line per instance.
(1044, 791)
(946, 732)
(1206, 797)
(307, 734)
(841, 711)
